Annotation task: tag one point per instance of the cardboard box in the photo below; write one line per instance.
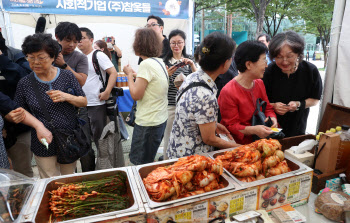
(328, 152)
(306, 158)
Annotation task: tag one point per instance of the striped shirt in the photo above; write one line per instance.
(172, 91)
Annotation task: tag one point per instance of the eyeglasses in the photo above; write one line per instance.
(178, 43)
(289, 58)
(152, 25)
(40, 59)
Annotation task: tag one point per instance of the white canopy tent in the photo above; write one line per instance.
(337, 79)
(17, 25)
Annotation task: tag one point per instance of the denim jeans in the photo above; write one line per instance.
(145, 143)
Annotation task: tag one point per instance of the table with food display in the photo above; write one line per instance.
(200, 188)
(220, 186)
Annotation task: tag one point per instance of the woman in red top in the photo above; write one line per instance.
(237, 100)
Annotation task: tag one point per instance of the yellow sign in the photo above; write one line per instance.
(183, 216)
(293, 188)
(236, 205)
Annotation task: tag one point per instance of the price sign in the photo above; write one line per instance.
(183, 216)
(293, 188)
(236, 205)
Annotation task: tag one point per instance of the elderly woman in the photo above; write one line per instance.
(292, 84)
(237, 100)
(150, 91)
(195, 127)
(174, 57)
(61, 94)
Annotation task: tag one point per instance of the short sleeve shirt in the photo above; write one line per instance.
(77, 61)
(185, 70)
(93, 83)
(198, 105)
(305, 83)
(152, 110)
(63, 114)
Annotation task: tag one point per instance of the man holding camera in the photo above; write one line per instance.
(95, 93)
(68, 36)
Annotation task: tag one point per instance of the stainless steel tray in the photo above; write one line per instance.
(142, 171)
(296, 167)
(42, 212)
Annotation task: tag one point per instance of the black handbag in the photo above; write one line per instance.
(71, 144)
(259, 119)
(130, 119)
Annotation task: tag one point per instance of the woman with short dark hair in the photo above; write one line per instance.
(238, 98)
(293, 85)
(195, 124)
(60, 93)
(150, 91)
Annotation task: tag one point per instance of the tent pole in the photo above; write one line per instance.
(338, 13)
(6, 27)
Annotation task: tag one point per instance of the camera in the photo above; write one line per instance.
(111, 101)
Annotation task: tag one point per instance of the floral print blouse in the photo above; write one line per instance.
(198, 105)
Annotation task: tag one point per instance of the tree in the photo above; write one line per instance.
(257, 8)
(318, 20)
(276, 12)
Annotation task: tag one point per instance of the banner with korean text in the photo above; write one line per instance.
(177, 9)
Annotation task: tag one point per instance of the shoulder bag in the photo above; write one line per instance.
(110, 102)
(130, 119)
(71, 144)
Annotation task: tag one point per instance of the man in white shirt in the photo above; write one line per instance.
(93, 87)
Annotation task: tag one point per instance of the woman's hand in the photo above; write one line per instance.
(280, 108)
(190, 62)
(221, 129)
(274, 122)
(129, 71)
(16, 116)
(58, 96)
(171, 70)
(262, 131)
(43, 132)
(293, 105)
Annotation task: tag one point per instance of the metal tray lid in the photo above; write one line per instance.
(15, 190)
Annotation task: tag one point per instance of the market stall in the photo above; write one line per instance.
(177, 190)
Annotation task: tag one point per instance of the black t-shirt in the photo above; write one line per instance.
(303, 84)
(166, 49)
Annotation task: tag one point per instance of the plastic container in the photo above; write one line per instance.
(345, 186)
(344, 148)
(15, 190)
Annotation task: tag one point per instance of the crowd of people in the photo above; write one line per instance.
(195, 104)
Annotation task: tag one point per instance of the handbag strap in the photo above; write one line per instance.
(166, 74)
(97, 67)
(40, 99)
(194, 84)
(260, 104)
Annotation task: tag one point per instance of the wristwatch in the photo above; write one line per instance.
(299, 104)
(64, 66)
